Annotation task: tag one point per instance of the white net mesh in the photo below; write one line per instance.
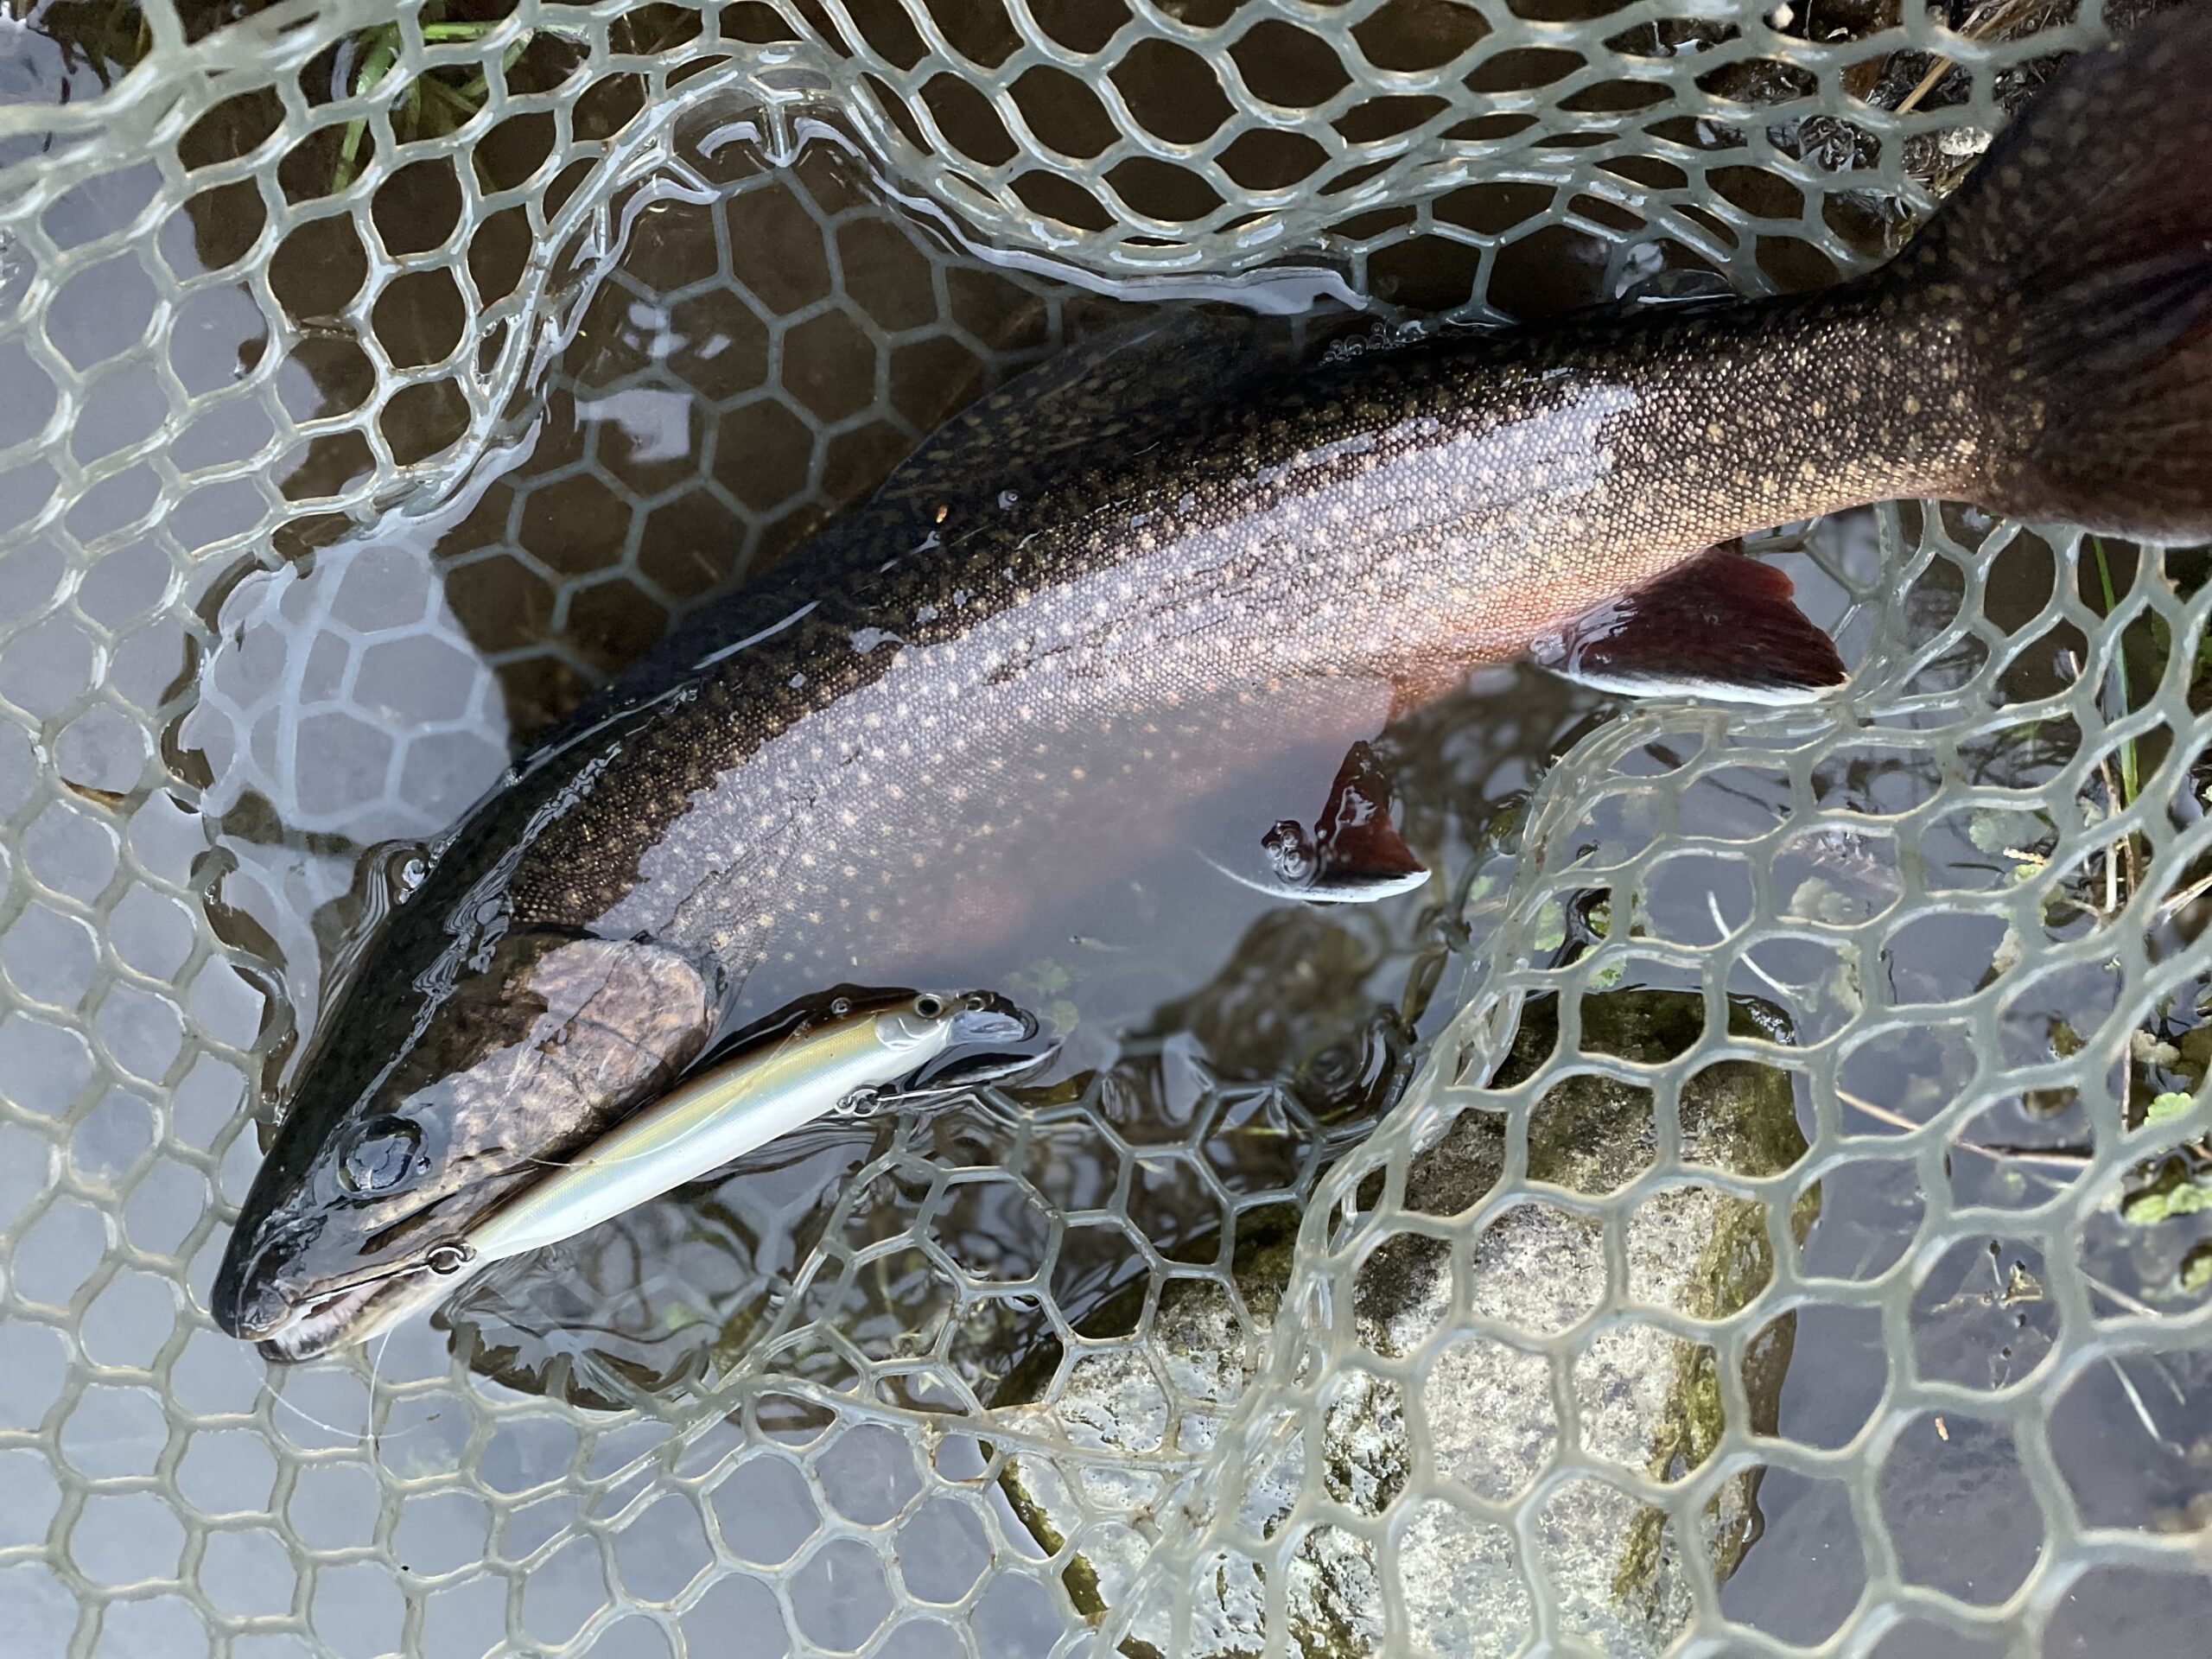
(1791, 1240)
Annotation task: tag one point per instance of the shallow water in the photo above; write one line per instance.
(765, 346)
(715, 402)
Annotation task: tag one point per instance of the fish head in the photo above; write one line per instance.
(430, 1097)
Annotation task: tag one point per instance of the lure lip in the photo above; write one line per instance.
(994, 1041)
(988, 1020)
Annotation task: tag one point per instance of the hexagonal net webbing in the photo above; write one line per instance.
(1788, 1232)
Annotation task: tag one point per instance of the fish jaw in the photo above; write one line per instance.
(284, 1300)
(308, 1330)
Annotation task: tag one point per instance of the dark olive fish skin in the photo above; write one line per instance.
(1016, 666)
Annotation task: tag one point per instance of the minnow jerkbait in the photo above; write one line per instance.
(1020, 664)
(842, 1055)
(766, 1090)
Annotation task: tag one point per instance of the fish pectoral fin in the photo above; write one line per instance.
(1722, 626)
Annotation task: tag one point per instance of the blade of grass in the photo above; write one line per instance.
(2130, 780)
(374, 67)
(1984, 22)
(456, 98)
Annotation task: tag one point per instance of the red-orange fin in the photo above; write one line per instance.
(1721, 626)
(1355, 840)
(1354, 854)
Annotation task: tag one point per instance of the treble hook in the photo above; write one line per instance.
(961, 1081)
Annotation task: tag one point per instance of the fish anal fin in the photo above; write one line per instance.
(1720, 625)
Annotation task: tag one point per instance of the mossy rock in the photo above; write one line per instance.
(1703, 1251)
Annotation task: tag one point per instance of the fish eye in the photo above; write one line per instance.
(382, 1156)
(928, 1007)
(841, 1007)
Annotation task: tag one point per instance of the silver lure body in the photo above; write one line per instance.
(711, 1119)
(718, 1117)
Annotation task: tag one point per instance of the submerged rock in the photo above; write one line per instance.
(1137, 1406)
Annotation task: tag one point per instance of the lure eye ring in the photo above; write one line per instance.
(447, 1258)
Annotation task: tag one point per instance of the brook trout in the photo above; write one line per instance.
(1022, 668)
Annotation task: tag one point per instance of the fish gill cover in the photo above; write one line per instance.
(1794, 1232)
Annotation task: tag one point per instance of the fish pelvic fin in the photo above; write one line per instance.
(1721, 626)
(1357, 845)
(1352, 856)
(2077, 260)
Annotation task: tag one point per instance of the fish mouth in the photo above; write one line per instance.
(321, 1324)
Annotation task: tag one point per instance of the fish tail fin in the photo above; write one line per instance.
(2079, 258)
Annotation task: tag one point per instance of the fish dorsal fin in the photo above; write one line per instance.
(1721, 626)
